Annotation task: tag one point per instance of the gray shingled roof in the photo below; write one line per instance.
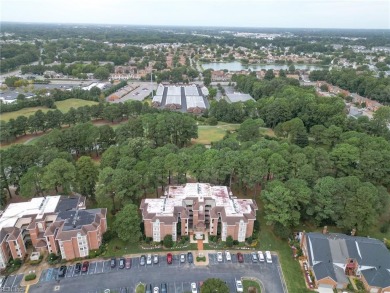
(371, 254)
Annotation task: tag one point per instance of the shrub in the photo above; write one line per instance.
(30, 277)
(212, 121)
(249, 240)
(168, 242)
(387, 243)
(229, 241)
(200, 258)
(108, 236)
(235, 242)
(17, 262)
(385, 227)
(359, 284)
(281, 231)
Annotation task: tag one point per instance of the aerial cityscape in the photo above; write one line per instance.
(195, 146)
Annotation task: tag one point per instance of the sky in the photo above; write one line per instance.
(359, 14)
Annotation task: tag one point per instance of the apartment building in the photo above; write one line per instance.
(56, 224)
(198, 208)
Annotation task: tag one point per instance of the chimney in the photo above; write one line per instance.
(325, 230)
(353, 232)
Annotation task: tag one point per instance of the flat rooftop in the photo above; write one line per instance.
(238, 97)
(36, 206)
(176, 195)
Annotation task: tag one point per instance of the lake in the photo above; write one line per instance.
(236, 65)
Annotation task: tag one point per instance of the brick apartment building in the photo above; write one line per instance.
(199, 208)
(54, 224)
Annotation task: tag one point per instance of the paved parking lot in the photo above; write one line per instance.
(178, 276)
(12, 284)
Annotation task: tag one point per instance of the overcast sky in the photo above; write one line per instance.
(236, 13)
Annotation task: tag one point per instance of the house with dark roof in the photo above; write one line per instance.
(333, 257)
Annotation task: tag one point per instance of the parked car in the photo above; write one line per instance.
(128, 263)
(148, 288)
(193, 288)
(77, 268)
(169, 258)
(156, 290)
(190, 257)
(240, 257)
(182, 258)
(85, 267)
(164, 288)
(155, 259)
(122, 263)
(142, 260)
(254, 257)
(149, 259)
(228, 256)
(261, 256)
(113, 262)
(268, 256)
(62, 271)
(219, 256)
(239, 286)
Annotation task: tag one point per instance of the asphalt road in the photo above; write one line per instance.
(177, 276)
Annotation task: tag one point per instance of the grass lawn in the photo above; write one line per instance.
(117, 247)
(248, 283)
(208, 133)
(140, 288)
(63, 106)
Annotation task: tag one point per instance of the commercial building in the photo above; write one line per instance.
(198, 208)
(54, 224)
(238, 97)
(333, 258)
(187, 98)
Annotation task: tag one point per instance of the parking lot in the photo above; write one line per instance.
(178, 276)
(12, 284)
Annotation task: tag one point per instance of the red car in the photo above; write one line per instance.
(128, 263)
(169, 258)
(85, 266)
(240, 257)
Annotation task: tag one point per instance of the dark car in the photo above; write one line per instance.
(113, 262)
(77, 268)
(142, 260)
(148, 288)
(190, 257)
(169, 258)
(122, 263)
(163, 288)
(62, 271)
(128, 263)
(240, 257)
(85, 266)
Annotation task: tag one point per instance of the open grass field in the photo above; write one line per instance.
(63, 106)
(208, 133)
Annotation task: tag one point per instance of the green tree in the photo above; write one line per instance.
(229, 241)
(101, 73)
(168, 242)
(59, 173)
(249, 129)
(213, 285)
(86, 176)
(269, 74)
(127, 224)
(31, 182)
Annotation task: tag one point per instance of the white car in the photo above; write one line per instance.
(193, 288)
(239, 286)
(228, 256)
(156, 290)
(261, 256)
(155, 259)
(219, 256)
(149, 259)
(182, 257)
(268, 256)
